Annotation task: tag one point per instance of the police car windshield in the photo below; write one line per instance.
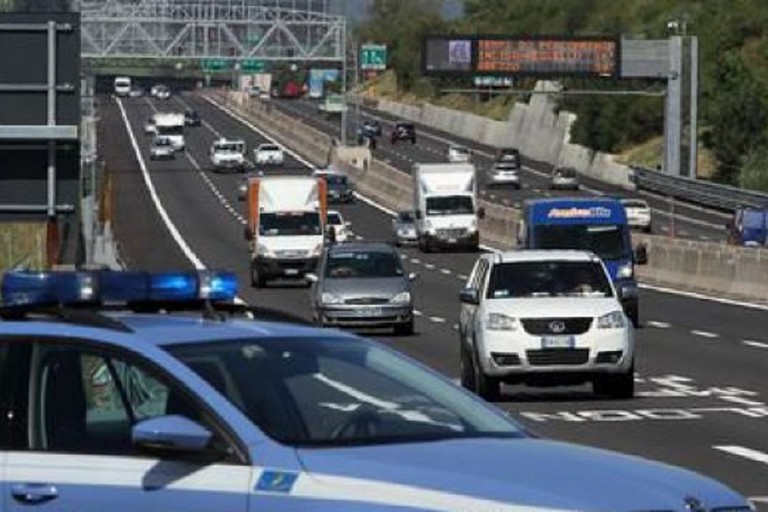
(609, 241)
(542, 279)
(289, 223)
(339, 392)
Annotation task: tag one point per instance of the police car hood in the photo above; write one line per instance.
(505, 475)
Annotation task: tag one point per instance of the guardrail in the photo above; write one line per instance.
(700, 192)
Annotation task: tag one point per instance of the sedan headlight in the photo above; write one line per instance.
(625, 271)
(330, 298)
(401, 298)
(501, 322)
(613, 320)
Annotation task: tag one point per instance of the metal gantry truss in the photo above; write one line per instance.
(284, 30)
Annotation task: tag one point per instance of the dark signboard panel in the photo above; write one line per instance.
(539, 56)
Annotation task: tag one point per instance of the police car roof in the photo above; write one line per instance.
(171, 329)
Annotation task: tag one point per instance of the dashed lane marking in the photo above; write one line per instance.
(658, 325)
(755, 344)
(746, 453)
(417, 312)
(463, 277)
(437, 319)
(429, 266)
(446, 271)
(705, 334)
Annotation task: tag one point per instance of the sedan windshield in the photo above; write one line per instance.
(339, 392)
(366, 265)
(533, 279)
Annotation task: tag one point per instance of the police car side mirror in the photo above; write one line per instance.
(171, 436)
(469, 296)
(641, 255)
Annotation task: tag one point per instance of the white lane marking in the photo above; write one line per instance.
(705, 334)
(416, 312)
(758, 499)
(415, 261)
(354, 393)
(170, 226)
(455, 327)
(658, 325)
(446, 271)
(742, 401)
(703, 297)
(463, 277)
(741, 451)
(429, 266)
(756, 344)
(437, 319)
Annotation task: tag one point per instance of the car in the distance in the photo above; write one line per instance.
(638, 214)
(191, 118)
(268, 154)
(544, 318)
(362, 284)
(458, 154)
(503, 174)
(190, 401)
(228, 155)
(150, 127)
(339, 186)
(371, 128)
(340, 227)
(404, 228)
(161, 148)
(564, 178)
(161, 92)
(403, 131)
(136, 91)
(509, 155)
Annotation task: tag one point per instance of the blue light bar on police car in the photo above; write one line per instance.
(105, 287)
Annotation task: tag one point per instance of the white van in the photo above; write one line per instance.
(122, 85)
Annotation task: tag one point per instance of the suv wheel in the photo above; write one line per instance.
(619, 386)
(473, 378)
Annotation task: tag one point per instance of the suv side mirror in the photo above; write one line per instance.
(481, 213)
(641, 255)
(469, 296)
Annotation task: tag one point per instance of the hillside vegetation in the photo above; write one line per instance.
(733, 38)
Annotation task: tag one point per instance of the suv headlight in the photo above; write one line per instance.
(265, 251)
(625, 271)
(330, 298)
(401, 298)
(613, 320)
(500, 322)
(316, 251)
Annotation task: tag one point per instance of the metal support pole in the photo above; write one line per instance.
(694, 109)
(344, 82)
(52, 224)
(673, 130)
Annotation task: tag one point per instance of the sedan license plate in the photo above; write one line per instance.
(557, 342)
(368, 312)
(291, 271)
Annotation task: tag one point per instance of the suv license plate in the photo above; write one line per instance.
(557, 342)
(291, 271)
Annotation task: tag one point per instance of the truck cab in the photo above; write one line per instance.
(227, 155)
(593, 224)
(445, 202)
(287, 218)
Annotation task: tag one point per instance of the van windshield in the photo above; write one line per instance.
(170, 130)
(228, 148)
(609, 241)
(290, 223)
(450, 205)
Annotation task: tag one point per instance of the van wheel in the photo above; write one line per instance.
(258, 279)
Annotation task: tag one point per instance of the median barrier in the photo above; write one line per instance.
(705, 267)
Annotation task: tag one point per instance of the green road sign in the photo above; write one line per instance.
(252, 65)
(373, 57)
(210, 65)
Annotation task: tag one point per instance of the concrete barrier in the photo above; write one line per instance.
(706, 267)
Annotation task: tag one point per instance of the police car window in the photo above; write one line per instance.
(88, 402)
(341, 391)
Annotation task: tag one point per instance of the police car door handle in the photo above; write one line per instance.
(33, 494)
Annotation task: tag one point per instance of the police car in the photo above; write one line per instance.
(114, 399)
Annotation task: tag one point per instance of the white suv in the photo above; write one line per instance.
(544, 318)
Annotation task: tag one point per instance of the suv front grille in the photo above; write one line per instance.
(557, 356)
(556, 326)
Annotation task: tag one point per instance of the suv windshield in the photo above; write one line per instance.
(405, 217)
(289, 223)
(363, 264)
(609, 241)
(450, 205)
(339, 392)
(533, 279)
